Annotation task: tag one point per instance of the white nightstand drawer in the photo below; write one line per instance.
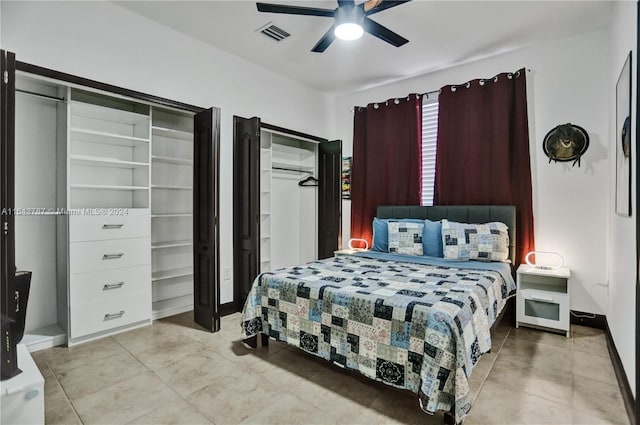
(106, 285)
(135, 224)
(107, 255)
(90, 318)
(543, 308)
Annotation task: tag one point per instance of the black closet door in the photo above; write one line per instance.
(206, 235)
(329, 203)
(246, 206)
(7, 185)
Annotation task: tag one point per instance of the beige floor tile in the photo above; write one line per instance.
(139, 339)
(594, 367)
(498, 404)
(350, 384)
(89, 378)
(585, 330)
(591, 344)
(542, 337)
(291, 365)
(480, 372)
(553, 385)
(61, 359)
(167, 415)
(41, 362)
(597, 402)
(160, 353)
(287, 409)
(398, 406)
(127, 400)
(197, 371)
(57, 407)
(232, 399)
(537, 356)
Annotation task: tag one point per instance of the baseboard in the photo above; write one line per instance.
(621, 376)
(227, 308)
(43, 338)
(590, 320)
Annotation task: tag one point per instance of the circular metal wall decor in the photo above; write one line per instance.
(566, 142)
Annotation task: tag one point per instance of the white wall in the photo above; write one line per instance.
(104, 42)
(622, 272)
(569, 82)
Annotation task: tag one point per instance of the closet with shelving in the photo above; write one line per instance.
(106, 216)
(286, 200)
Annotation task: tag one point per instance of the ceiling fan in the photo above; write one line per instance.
(351, 20)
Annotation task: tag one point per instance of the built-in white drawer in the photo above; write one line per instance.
(90, 318)
(543, 308)
(108, 255)
(136, 223)
(105, 285)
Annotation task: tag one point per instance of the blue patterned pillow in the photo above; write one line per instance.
(482, 242)
(405, 238)
(431, 235)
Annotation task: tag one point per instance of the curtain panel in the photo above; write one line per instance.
(386, 169)
(482, 156)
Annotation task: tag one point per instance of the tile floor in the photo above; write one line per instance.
(174, 373)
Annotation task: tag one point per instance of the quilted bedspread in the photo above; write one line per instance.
(414, 326)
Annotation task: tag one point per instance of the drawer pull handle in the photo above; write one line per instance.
(112, 256)
(542, 299)
(108, 286)
(114, 315)
(112, 226)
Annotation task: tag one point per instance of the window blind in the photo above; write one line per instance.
(429, 142)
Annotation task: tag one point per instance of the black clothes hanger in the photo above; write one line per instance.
(309, 182)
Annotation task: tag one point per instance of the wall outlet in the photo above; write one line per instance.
(226, 273)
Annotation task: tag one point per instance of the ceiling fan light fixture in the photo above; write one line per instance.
(348, 31)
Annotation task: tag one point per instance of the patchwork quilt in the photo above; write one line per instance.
(414, 326)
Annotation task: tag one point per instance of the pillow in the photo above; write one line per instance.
(483, 242)
(431, 237)
(405, 238)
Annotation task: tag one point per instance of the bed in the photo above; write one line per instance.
(413, 322)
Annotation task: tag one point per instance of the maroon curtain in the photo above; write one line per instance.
(386, 168)
(483, 149)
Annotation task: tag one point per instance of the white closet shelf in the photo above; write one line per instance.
(162, 186)
(171, 244)
(103, 113)
(95, 136)
(171, 160)
(292, 166)
(172, 133)
(106, 187)
(170, 215)
(171, 273)
(171, 306)
(98, 161)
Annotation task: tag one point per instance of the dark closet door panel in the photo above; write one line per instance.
(7, 174)
(246, 206)
(329, 203)
(206, 257)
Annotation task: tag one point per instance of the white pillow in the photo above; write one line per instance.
(405, 238)
(482, 242)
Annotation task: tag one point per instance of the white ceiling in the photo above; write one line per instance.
(441, 34)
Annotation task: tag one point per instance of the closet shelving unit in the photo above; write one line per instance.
(266, 164)
(171, 212)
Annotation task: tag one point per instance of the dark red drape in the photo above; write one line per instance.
(483, 150)
(386, 168)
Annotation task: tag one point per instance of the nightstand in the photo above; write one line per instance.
(542, 299)
(347, 251)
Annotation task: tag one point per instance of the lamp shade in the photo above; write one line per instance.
(349, 23)
(360, 241)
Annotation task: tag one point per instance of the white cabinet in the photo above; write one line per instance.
(23, 395)
(543, 298)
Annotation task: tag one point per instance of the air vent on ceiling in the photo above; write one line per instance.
(274, 32)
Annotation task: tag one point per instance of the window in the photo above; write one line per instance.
(429, 142)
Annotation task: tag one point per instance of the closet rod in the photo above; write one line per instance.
(291, 169)
(42, 96)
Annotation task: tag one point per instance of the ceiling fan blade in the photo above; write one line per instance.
(375, 6)
(383, 33)
(325, 41)
(294, 10)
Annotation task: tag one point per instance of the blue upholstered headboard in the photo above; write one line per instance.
(460, 213)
